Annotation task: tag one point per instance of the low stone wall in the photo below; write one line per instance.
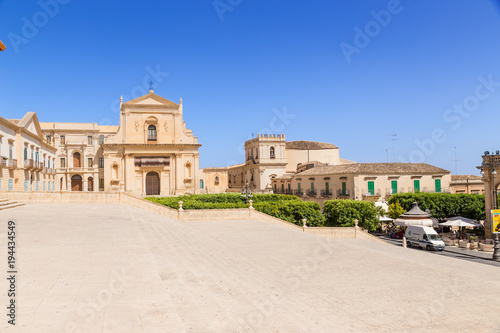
(214, 214)
(149, 206)
(340, 232)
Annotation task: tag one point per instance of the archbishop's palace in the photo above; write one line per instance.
(152, 152)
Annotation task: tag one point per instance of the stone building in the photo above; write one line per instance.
(364, 181)
(271, 156)
(151, 152)
(467, 184)
(27, 160)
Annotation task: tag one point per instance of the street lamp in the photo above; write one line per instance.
(246, 192)
(496, 249)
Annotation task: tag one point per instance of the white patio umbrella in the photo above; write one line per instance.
(460, 223)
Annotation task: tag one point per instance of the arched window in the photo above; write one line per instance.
(271, 152)
(216, 180)
(151, 133)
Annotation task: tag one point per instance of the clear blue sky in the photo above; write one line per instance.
(238, 66)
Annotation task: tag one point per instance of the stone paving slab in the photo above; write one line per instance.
(116, 268)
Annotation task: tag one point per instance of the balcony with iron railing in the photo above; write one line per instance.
(28, 164)
(311, 193)
(326, 193)
(12, 163)
(341, 193)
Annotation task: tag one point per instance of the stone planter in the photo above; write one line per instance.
(473, 245)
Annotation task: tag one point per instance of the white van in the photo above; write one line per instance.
(425, 237)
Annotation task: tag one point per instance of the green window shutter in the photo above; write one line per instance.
(343, 188)
(371, 188)
(327, 188)
(416, 185)
(438, 185)
(289, 188)
(298, 187)
(394, 186)
(282, 188)
(312, 187)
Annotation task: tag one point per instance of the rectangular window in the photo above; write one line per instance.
(63, 162)
(0, 184)
(10, 152)
(344, 190)
(298, 188)
(327, 188)
(90, 162)
(53, 185)
(101, 183)
(49, 139)
(44, 185)
(101, 162)
(90, 140)
(26, 185)
(416, 185)
(201, 184)
(11, 184)
(437, 182)
(62, 140)
(312, 187)
(371, 188)
(289, 188)
(101, 139)
(394, 186)
(36, 186)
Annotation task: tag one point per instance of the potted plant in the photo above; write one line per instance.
(474, 241)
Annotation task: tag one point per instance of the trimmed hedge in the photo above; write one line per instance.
(285, 207)
(342, 213)
(444, 205)
(293, 211)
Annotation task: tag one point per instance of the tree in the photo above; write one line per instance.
(395, 210)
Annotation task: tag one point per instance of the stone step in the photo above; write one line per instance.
(12, 205)
(3, 200)
(5, 203)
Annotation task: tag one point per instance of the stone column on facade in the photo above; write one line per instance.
(173, 172)
(84, 183)
(143, 191)
(196, 186)
(129, 173)
(68, 182)
(178, 172)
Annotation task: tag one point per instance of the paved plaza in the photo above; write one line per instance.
(116, 268)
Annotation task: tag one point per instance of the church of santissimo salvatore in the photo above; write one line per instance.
(152, 152)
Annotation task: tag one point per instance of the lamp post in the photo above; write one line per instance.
(246, 193)
(496, 249)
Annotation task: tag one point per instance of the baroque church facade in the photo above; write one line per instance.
(151, 152)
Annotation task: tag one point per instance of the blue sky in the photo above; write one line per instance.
(327, 71)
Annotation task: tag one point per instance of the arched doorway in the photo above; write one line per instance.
(90, 186)
(152, 183)
(76, 160)
(76, 183)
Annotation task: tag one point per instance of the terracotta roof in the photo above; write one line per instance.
(309, 145)
(375, 168)
(465, 177)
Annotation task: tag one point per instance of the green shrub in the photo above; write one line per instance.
(342, 213)
(285, 207)
(444, 205)
(293, 211)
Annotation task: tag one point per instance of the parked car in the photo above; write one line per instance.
(424, 237)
